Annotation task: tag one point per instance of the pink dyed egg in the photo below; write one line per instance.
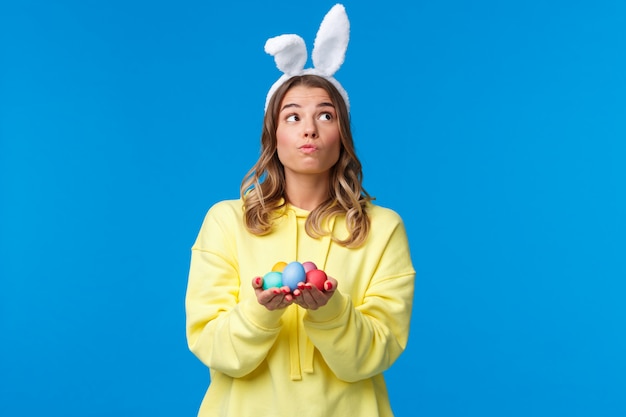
(309, 266)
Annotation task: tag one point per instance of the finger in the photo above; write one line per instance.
(282, 297)
(298, 297)
(275, 299)
(257, 282)
(268, 296)
(312, 297)
(330, 285)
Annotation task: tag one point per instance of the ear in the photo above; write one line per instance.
(331, 42)
(289, 52)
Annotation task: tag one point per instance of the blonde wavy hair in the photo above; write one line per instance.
(263, 187)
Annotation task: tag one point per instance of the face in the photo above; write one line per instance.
(307, 132)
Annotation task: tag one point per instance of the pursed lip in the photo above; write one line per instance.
(308, 148)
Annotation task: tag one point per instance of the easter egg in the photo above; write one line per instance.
(272, 280)
(317, 277)
(293, 274)
(309, 266)
(279, 266)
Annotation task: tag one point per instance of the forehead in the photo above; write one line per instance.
(300, 93)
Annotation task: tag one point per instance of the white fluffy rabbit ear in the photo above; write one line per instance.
(289, 52)
(331, 41)
(329, 52)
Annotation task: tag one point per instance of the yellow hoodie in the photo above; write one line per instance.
(297, 362)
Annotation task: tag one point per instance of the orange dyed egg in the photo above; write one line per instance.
(279, 266)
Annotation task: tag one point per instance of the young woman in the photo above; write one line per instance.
(305, 351)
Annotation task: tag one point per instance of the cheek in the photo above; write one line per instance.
(335, 147)
(279, 136)
(283, 135)
(282, 143)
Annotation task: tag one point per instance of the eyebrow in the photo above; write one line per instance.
(323, 104)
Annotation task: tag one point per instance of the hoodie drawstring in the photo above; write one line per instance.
(292, 315)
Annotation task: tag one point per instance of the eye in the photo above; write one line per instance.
(325, 116)
(292, 118)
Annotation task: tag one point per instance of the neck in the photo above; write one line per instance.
(307, 192)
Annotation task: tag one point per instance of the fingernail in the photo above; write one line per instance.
(328, 286)
(257, 281)
(276, 291)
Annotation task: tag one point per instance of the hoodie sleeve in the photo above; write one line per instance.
(227, 335)
(362, 338)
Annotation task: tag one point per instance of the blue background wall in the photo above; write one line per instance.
(496, 129)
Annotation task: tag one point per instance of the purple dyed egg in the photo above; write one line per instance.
(308, 266)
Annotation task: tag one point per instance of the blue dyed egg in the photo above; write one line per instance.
(272, 280)
(293, 274)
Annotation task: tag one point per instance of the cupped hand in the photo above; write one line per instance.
(272, 298)
(310, 297)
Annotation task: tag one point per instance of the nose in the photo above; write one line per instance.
(310, 130)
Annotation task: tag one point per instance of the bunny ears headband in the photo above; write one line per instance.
(329, 50)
